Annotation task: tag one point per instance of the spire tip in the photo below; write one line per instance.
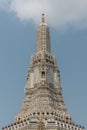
(43, 19)
(43, 14)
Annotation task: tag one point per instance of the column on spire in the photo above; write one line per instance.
(43, 37)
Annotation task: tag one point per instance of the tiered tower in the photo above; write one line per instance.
(43, 107)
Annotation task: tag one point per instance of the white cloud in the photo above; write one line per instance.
(59, 13)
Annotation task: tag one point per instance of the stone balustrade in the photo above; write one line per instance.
(57, 123)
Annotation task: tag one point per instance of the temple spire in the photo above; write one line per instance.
(43, 37)
(43, 107)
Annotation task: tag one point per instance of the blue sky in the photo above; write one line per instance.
(18, 42)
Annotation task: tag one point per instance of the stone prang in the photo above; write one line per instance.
(43, 106)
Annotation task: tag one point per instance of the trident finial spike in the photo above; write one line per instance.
(43, 19)
(43, 14)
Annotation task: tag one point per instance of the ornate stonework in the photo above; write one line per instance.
(43, 106)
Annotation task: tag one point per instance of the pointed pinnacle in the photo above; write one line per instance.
(43, 19)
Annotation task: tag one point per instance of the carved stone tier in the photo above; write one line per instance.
(46, 124)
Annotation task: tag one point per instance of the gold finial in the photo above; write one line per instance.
(43, 19)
